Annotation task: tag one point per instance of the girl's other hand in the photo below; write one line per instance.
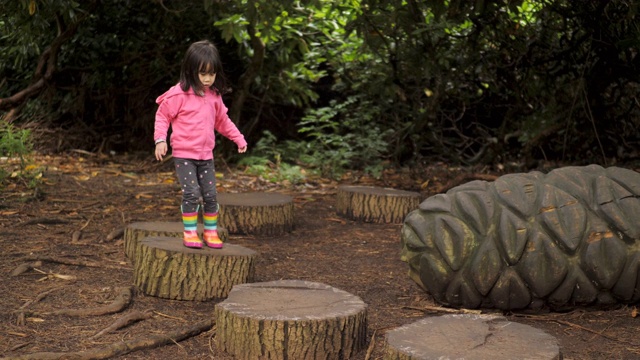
(242, 149)
(161, 150)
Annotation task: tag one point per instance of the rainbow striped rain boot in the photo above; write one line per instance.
(191, 239)
(211, 230)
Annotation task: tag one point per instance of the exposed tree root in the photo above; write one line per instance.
(443, 309)
(23, 268)
(21, 312)
(120, 303)
(115, 233)
(73, 262)
(121, 347)
(372, 345)
(124, 321)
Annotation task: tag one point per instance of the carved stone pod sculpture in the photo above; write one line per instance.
(570, 237)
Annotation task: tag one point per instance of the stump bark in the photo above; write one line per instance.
(290, 319)
(164, 268)
(375, 204)
(256, 213)
(469, 337)
(137, 231)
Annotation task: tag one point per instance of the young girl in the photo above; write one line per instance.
(194, 109)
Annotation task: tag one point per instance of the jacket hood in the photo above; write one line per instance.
(173, 91)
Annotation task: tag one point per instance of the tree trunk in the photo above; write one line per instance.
(374, 204)
(290, 319)
(135, 232)
(47, 65)
(256, 213)
(167, 269)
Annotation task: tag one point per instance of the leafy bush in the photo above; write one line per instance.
(344, 135)
(266, 161)
(16, 143)
(337, 137)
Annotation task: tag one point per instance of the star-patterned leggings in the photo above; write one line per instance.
(197, 178)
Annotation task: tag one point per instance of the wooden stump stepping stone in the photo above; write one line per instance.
(164, 268)
(469, 337)
(375, 204)
(137, 231)
(290, 319)
(256, 213)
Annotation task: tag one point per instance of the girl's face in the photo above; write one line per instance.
(207, 77)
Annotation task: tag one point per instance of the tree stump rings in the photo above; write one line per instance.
(164, 268)
(257, 213)
(137, 231)
(469, 337)
(375, 204)
(290, 319)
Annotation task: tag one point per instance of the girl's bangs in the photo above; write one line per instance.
(206, 67)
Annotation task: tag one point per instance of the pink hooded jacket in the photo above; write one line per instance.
(193, 120)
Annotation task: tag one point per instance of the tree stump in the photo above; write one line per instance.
(469, 337)
(257, 213)
(290, 319)
(137, 231)
(375, 204)
(164, 268)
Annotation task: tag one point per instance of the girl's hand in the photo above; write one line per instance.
(242, 149)
(161, 150)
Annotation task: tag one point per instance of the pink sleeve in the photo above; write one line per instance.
(227, 128)
(164, 114)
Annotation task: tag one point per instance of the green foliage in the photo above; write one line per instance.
(344, 135)
(16, 143)
(108, 71)
(349, 83)
(266, 160)
(292, 33)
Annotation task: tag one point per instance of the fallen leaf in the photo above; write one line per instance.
(16, 334)
(65, 277)
(144, 195)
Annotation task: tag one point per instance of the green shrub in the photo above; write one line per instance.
(16, 144)
(266, 161)
(344, 135)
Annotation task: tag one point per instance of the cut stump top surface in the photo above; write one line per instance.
(471, 337)
(175, 245)
(167, 227)
(253, 199)
(291, 300)
(164, 226)
(374, 190)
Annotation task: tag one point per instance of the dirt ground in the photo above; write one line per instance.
(73, 226)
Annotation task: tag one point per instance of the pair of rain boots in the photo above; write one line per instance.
(191, 238)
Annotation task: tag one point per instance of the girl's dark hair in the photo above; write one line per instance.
(202, 56)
